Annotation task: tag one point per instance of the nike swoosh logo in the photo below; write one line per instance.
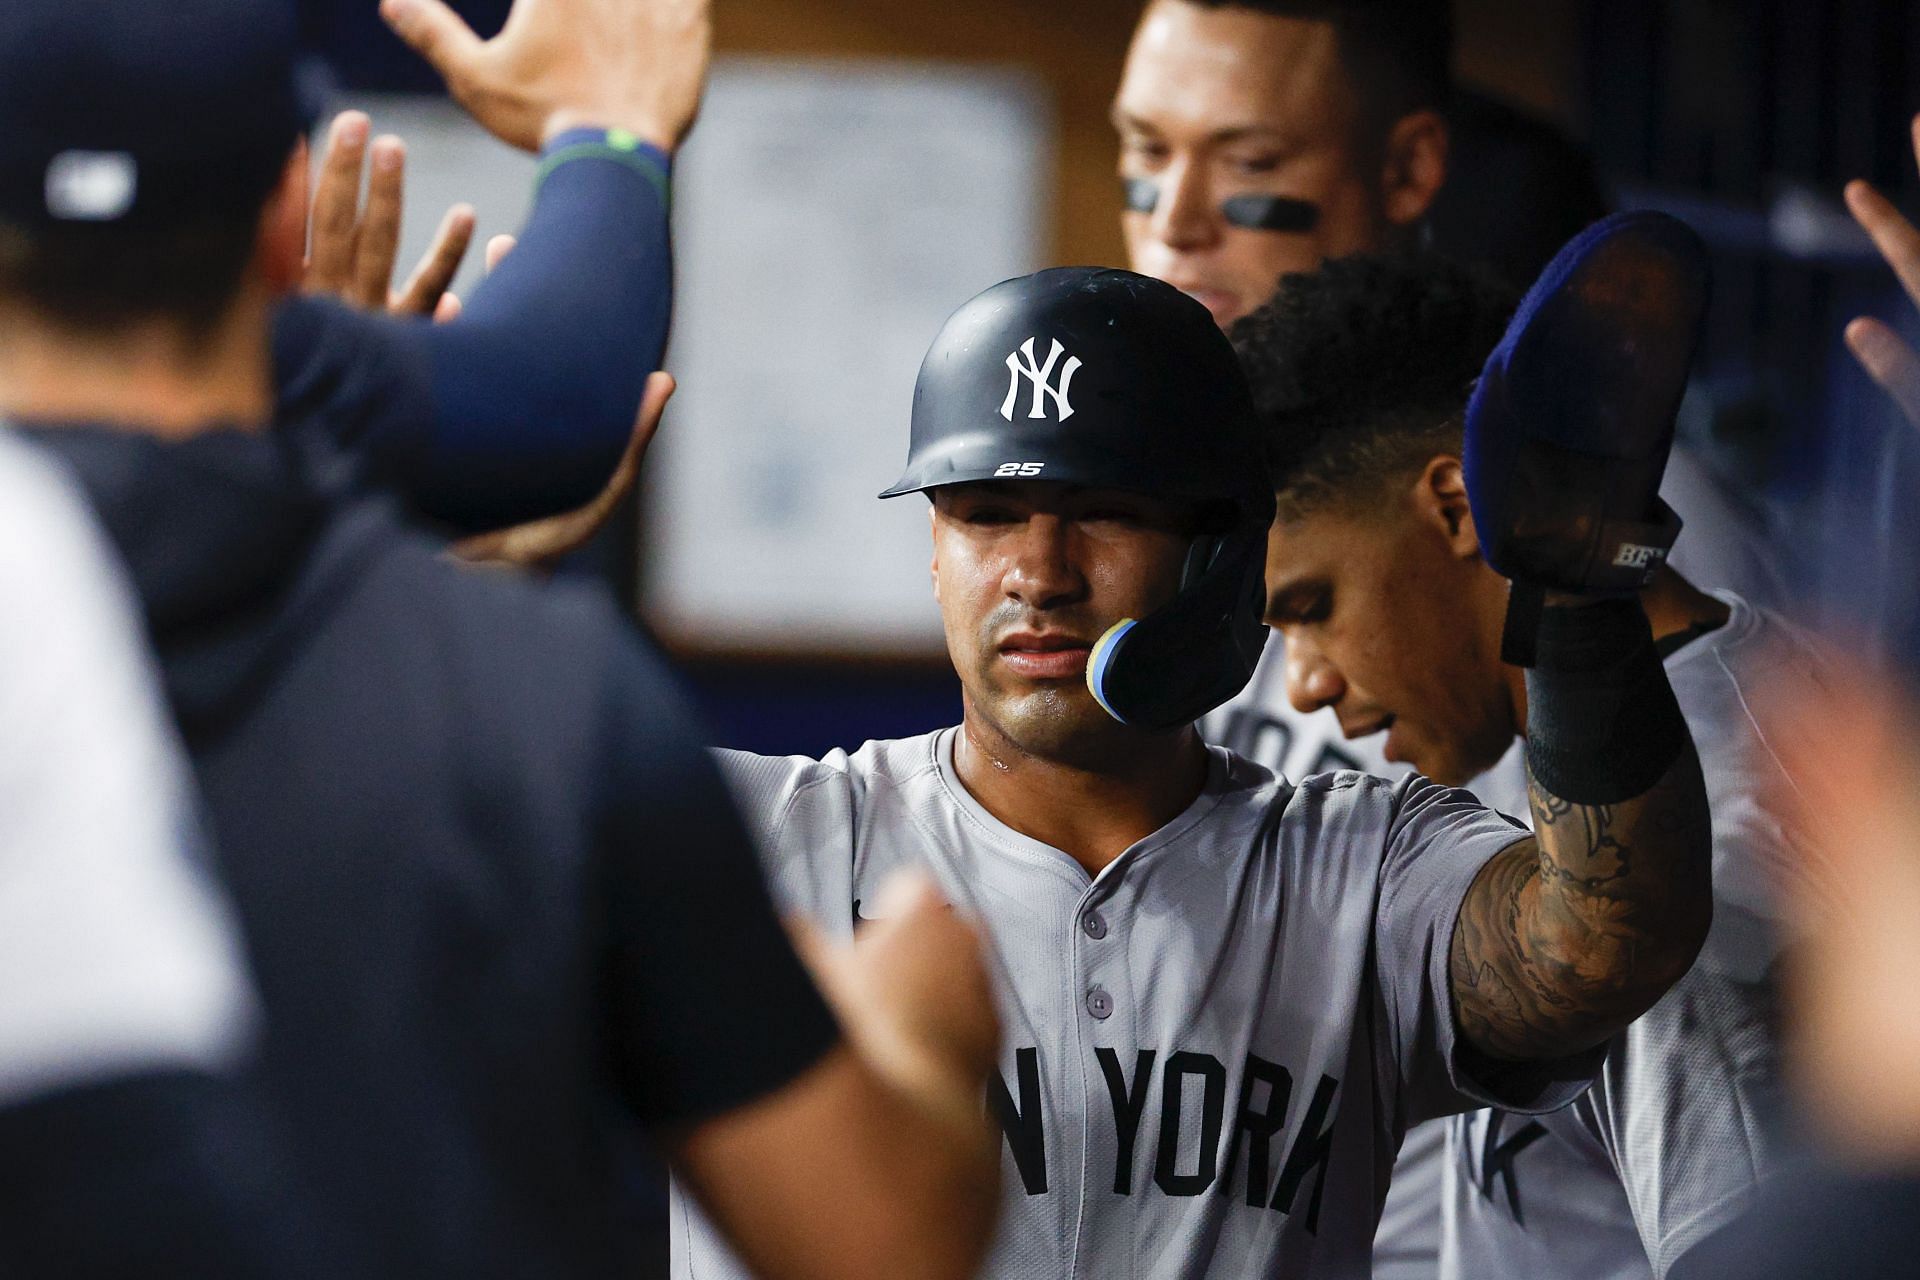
(860, 919)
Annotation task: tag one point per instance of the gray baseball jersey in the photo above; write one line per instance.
(1213, 1047)
(1670, 1142)
(1720, 549)
(1263, 725)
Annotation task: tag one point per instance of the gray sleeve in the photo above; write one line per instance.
(801, 814)
(1689, 1103)
(1689, 1106)
(1438, 839)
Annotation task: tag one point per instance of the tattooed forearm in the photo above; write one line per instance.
(1578, 844)
(1567, 937)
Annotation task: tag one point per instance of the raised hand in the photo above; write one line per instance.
(913, 994)
(353, 245)
(1855, 760)
(637, 65)
(1885, 355)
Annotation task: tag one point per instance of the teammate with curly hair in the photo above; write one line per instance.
(1393, 619)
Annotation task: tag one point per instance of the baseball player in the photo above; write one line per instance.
(1392, 614)
(1257, 138)
(501, 917)
(1226, 996)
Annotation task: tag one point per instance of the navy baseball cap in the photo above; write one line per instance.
(147, 113)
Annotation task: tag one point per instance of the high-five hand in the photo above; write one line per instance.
(637, 65)
(913, 992)
(1885, 355)
(353, 246)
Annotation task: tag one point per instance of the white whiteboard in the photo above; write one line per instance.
(828, 217)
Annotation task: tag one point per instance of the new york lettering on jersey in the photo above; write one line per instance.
(1184, 1150)
(1209, 1047)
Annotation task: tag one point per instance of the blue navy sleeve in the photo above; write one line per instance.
(712, 1009)
(523, 406)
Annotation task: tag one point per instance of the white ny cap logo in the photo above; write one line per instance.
(91, 186)
(1023, 365)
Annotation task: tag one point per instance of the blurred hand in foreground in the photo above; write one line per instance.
(913, 995)
(1883, 353)
(1856, 997)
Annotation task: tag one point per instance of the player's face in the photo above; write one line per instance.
(1393, 628)
(1029, 575)
(1224, 102)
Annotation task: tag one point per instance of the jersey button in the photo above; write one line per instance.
(1095, 925)
(1099, 1003)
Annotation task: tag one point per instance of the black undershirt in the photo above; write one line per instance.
(1667, 646)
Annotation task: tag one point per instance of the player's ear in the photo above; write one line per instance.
(1414, 166)
(1439, 499)
(280, 250)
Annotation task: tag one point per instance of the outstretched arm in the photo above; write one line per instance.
(1568, 936)
(519, 408)
(1564, 939)
(523, 407)
(536, 385)
(564, 334)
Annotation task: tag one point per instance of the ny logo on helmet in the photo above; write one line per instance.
(1023, 365)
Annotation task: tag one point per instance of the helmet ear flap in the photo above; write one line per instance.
(1195, 652)
(1201, 555)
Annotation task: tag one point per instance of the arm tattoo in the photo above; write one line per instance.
(1577, 841)
(1567, 937)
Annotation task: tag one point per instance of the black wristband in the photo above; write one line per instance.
(1602, 722)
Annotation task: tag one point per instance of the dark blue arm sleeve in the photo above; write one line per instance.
(522, 407)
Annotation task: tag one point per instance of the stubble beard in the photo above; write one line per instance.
(1059, 723)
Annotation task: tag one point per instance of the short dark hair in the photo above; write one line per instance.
(1361, 370)
(98, 279)
(1397, 53)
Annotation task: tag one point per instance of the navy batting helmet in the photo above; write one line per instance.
(1113, 380)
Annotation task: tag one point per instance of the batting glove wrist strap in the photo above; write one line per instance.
(1602, 723)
